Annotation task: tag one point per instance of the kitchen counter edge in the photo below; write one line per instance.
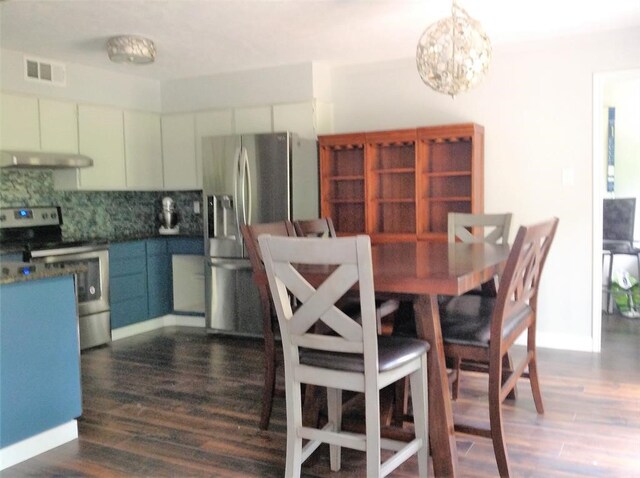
(10, 274)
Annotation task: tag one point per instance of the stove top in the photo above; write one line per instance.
(37, 231)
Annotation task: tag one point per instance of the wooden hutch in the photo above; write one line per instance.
(400, 185)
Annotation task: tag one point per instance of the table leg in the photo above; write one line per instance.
(441, 432)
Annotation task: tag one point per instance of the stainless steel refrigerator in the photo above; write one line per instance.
(249, 179)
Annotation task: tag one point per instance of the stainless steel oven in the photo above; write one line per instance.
(37, 233)
(92, 288)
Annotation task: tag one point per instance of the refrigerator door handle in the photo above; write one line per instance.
(237, 178)
(243, 164)
(247, 182)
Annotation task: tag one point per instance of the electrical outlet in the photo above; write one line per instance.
(196, 207)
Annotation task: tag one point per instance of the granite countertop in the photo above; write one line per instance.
(139, 237)
(13, 272)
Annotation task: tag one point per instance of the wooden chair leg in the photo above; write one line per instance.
(400, 402)
(455, 386)
(495, 421)
(535, 384)
(269, 381)
(507, 365)
(497, 436)
(398, 399)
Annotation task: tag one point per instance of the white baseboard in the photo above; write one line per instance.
(169, 320)
(45, 441)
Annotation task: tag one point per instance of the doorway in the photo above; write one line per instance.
(620, 90)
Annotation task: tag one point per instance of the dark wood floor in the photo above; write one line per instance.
(179, 403)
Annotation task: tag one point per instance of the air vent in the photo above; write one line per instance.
(45, 71)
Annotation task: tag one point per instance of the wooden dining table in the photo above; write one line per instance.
(420, 271)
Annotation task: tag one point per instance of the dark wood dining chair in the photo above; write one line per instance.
(250, 234)
(323, 227)
(483, 329)
(471, 228)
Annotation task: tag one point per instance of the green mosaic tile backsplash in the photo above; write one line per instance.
(110, 215)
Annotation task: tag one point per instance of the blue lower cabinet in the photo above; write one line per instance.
(128, 312)
(141, 278)
(186, 245)
(159, 278)
(39, 358)
(128, 283)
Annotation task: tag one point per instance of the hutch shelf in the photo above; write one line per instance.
(400, 185)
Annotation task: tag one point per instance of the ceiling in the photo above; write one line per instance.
(206, 37)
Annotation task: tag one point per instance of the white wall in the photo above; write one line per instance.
(536, 105)
(85, 84)
(285, 84)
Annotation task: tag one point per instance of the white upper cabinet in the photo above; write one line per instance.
(179, 152)
(253, 120)
(214, 123)
(32, 124)
(295, 117)
(19, 124)
(58, 126)
(143, 151)
(101, 138)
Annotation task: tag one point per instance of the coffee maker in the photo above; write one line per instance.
(168, 217)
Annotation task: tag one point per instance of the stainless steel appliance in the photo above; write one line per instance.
(39, 159)
(249, 179)
(37, 233)
(168, 217)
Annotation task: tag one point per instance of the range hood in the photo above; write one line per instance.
(38, 159)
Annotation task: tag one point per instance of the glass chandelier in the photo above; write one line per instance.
(453, 54)
(131, 49)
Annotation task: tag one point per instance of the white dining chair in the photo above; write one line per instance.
(352, 357)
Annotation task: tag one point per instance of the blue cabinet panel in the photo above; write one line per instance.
(129, 287)
(128, 283)
(39, 358)
(186, 245)
(125, 250)
(156, 247)
(126, 266)
(127, 312)
(159, 278)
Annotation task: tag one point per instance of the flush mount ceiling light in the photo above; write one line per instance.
(453, 54)
(131, 49)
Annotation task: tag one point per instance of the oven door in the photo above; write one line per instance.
(92, 284)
